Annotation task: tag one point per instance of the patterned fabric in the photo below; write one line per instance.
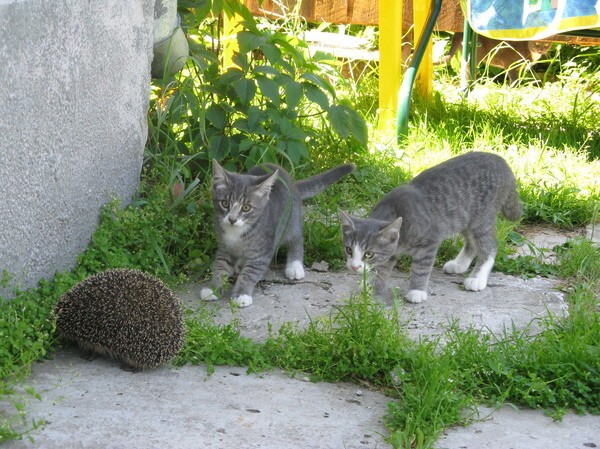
(530, 19)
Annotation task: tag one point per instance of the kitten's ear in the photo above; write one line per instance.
(345, 221)
(220, 177)
(391, 233)
(264, 188)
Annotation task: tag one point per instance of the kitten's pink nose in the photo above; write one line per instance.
(355, 267)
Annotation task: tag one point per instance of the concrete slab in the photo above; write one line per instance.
(509, 428)
(97, 405)
(507, 300)
(542, 239)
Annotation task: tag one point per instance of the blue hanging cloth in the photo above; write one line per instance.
(530, 19)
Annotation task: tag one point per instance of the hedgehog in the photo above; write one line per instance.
(125, 314)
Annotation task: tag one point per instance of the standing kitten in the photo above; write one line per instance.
(508, 56)
(255, 213)
(462, 195)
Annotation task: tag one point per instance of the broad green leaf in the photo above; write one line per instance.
(340, 120)
(255, 115)
(359, 128)
(201, 9)
(289, 130)
(241, 124)
(229, 109)
(296, 150)
(318, 81)
(245, 90)
(241, 60)
(287, 67)
(271, 52)
(203, 58)
(245, 145)
(237, 7)
(217, 7)
(293, 93)
(218, 146)
(296, 133)
(216, 116)
(316, 95)
(269, 89)
(348, 123)
(290, 45)
(232, 75)
(249, 41)
(266, 70)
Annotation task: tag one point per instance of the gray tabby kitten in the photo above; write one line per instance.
(255, 213)
(462, 195)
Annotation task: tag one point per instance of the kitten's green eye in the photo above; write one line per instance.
(369, 255)
(225, 204)
(348, 250)
(246, 208)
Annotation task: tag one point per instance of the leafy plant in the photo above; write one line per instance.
(135, 236)
(212, 344)
(269, 106)
(555, 369)
(358, 342)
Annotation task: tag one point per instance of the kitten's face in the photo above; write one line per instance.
(239, 199)
(368, 243)
(538, 49)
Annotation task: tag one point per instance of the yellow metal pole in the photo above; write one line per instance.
(390, 61)
(424, 80)
(231, 26)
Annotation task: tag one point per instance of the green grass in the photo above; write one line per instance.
(549, 136)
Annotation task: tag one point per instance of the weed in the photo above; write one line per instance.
(430, 399)
(212, 344)
(270, 106)
(135, 236)
(579, 262)
(360, 341)
(554, 369)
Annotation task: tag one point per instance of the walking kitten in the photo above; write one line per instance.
(462, 195)
(513, 56)
(255, 213)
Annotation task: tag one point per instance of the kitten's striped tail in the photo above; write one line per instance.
(512, 208)
(314, 185)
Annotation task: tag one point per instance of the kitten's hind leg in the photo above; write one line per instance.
(486, 243)
(294, 270)
(294, 267)
(465, 257)
(478, 279)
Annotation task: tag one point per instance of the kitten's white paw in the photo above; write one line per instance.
(207, 294)
(475, 284)
(416, 296)
(294, 271)
(453, 267)
(242, 301)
